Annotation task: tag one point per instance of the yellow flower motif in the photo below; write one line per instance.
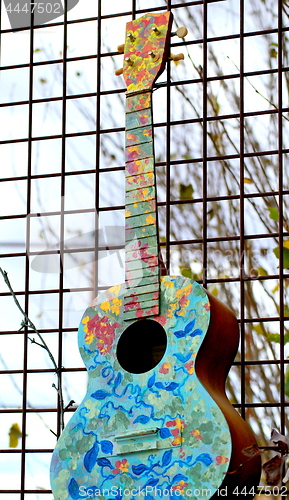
(178, 440)
(105, 306)
(127, 213)
(179, 423)
(85, 321)
(115, 289)
(124, 467)
(115, 308)
(184, 291)
(89, 338)
(150, 219)
(169, 284)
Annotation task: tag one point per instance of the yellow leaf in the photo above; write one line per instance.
(286, 244)
(248, 181)
(14, 435)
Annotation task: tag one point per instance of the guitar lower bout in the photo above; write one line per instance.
(155, 420)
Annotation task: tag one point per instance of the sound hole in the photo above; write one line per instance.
(141, 346)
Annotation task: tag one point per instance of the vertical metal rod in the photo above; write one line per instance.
(27, 274)
(168, 165)
(97, 146)
(133, 9)
(281, 238)
(168, 170)
(60, 423)
(242, 216)
(205, 142)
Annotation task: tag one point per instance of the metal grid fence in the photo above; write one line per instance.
(221, 129)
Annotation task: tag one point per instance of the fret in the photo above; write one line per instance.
(141, 253)
(137, 264)
(148, 280)
(138, 102)
(137, 119)
(141, 259)
(143, 194)
(138, 136)
(154, 287)
(140, 181)
(136, 244)
(140, 232)
(144, 207)
(140, 220)
(138, 151)
(140, 166)
(138, 273)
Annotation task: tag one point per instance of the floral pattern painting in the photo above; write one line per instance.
(146, 435)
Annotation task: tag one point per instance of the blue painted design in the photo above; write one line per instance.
(189, 446)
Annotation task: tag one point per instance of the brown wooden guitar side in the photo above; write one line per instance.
(212, 370)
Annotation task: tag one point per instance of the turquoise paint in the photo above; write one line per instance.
(187, 443)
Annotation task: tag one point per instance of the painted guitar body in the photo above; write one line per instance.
(155, 421)
(159, 431)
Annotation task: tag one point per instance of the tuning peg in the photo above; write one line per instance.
(129, 61)
(120, 48)
(153, 55)
(131, 37)
(118, 72)
(177, 57)
(181, 32)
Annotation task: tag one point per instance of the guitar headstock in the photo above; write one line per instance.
(146, 50)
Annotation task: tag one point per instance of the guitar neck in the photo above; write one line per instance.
(141, 231)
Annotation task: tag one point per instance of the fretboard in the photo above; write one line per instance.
(141, 231)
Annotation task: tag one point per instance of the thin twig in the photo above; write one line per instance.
(27, 323)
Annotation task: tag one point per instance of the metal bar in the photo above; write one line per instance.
(281, 212)
(205, 144)
(242, 214)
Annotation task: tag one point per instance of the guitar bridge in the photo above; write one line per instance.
(141, 440)
(137, 434)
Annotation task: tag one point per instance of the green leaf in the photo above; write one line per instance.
(285, 255)
(259, 329)
(273, 52)
(214, 290)
(186, 192)
(273, 213)
(186, 272)
(262, 271)
(275, 337)
(14, 435)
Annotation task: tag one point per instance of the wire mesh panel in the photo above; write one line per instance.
(221, 134)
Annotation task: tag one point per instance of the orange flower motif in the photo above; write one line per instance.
(180, 487)
(190, 367)
(197, 434)
(164, 368)
(121, 466)
(221, 459)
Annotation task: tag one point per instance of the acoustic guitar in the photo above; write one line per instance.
(155, 421)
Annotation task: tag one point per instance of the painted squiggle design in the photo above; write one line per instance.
(189, 446)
